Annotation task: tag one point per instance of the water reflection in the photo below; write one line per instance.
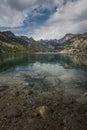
(67, 62)
(46, 72)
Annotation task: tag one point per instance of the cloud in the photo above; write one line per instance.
(21, 5)
(70, 18)
(10, 17)
(66, 16)
(13, 13)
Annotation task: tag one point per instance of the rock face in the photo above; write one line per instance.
(76, 43)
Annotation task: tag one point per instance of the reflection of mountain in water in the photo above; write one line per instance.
(11, 61)
(79, 62)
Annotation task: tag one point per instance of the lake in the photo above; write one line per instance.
(56, 84)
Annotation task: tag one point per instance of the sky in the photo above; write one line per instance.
(43, 19)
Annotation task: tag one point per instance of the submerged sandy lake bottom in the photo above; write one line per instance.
(43, 92)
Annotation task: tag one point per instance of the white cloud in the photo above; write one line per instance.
(10, 17)
(72, 18)
(68, 18)
(14, 12)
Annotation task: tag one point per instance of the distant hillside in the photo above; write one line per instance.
(75, 43)
(11, 43)
(70, 43)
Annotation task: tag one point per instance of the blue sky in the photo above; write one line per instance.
(43, 19)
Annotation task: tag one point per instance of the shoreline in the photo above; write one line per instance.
(61, 53)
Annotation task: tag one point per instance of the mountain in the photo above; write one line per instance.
(57, 44)
(7, 33)
(75, 43)
(50, 43)
(70, 43)
(9, 42)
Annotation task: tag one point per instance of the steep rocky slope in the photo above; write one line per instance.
(77, 44)
(70, 43)
(11, 43)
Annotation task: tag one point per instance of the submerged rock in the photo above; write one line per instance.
(27, 91)
(51, 80)
(42, 111)
(13, 112)
(82, 99)
(3, 87)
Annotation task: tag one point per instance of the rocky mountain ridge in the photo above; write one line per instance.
(70, 43)
(9, 42)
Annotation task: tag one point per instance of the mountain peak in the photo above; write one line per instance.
(69, 35)
(8, 33)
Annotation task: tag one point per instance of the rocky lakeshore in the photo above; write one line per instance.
(22, 108)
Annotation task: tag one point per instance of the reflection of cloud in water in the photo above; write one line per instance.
(74, 75)
(57, 70)
(53, 69)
